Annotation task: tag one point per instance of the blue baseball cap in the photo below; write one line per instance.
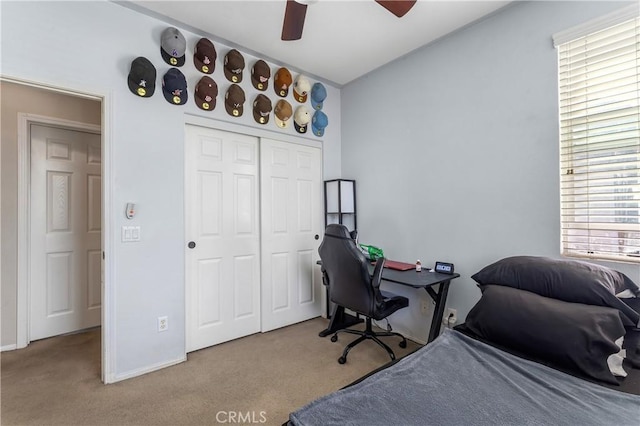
(319, 122)
(174, 87)
(318, 95)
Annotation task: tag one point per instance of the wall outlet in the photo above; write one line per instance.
(450, 317)
(163, 323)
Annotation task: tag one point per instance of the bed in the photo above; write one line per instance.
(533, 350)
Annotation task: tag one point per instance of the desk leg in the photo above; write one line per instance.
(441, 301)
(328, 301)
(339, 320)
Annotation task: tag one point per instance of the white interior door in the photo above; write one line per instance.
(291, 194)
(65, 231)
(222, 222)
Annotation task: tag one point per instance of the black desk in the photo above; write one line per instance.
(411, 278)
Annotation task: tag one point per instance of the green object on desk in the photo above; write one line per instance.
(372, 252)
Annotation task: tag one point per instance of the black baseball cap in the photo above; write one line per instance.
(142, 77)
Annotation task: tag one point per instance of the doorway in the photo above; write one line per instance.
(28, 105)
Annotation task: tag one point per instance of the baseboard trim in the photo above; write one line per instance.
(145, 370)
(11, 347)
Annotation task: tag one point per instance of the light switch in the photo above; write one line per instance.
(130, 234)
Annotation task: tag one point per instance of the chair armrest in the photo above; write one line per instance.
(376, 278)
(325, 277)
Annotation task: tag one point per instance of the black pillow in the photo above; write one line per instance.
(571, 337)
(632, 346)
(632, 337)
(568, 280)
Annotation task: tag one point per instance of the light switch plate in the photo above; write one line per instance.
(130, 234)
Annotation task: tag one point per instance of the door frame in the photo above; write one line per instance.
(23, 228)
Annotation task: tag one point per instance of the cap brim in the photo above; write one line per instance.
(230, 110)
(283, 93)
(170, 96)
(299, 128)
(300, 98)
(316, 131)
(199, 64)
(201, 103)
(133, 87)
(255, 83)
(257, 116)
(316, 105)
(229, 75)
(167, 58)
(280, 123)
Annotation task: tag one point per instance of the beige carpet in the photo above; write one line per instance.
(262, 377)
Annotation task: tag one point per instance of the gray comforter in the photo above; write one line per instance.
(457, 380)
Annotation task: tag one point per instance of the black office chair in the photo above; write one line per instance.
(352, 286)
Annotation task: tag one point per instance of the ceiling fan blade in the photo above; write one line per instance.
(293, 20)
(397, 7)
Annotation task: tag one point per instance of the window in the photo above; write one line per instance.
(599, 90)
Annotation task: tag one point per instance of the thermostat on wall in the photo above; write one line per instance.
(130, 212)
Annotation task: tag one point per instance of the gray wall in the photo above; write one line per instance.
(455, 148)
(89, 46)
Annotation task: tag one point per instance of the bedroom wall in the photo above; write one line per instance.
(455, 149)
(89, 46)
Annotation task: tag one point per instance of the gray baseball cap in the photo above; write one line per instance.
(173, 47)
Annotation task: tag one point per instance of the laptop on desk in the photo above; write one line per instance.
(399, 266)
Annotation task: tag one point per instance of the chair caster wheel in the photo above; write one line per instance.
(334, 338)
(342, 360)
(403, 344)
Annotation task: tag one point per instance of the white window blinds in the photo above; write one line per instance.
(599, 87)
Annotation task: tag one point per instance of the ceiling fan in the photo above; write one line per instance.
(296, 11)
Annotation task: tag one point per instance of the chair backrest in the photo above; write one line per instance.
(350, 283)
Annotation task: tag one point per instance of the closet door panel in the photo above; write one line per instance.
(222, 277)
(291, 211)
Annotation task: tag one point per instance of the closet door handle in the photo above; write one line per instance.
(317, 237)
(191, 244)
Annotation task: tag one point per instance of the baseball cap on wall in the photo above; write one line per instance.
(173, 47)
(233, 66)
(261, 109)
(174, 87)
(205, 93)
(319, 122)
(301, 88)
(281, 82)
(260, 75)
(301, 119)
(234, 100)
(142, 77)
(282, 113)
(204, 56)
(318, 95)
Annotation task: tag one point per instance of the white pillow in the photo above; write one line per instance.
(615, 360)
(627, 294)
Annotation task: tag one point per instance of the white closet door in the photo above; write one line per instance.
(65, 231)
(291, 194)
(221, 215)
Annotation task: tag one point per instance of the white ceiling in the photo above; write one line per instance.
(342, 39)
